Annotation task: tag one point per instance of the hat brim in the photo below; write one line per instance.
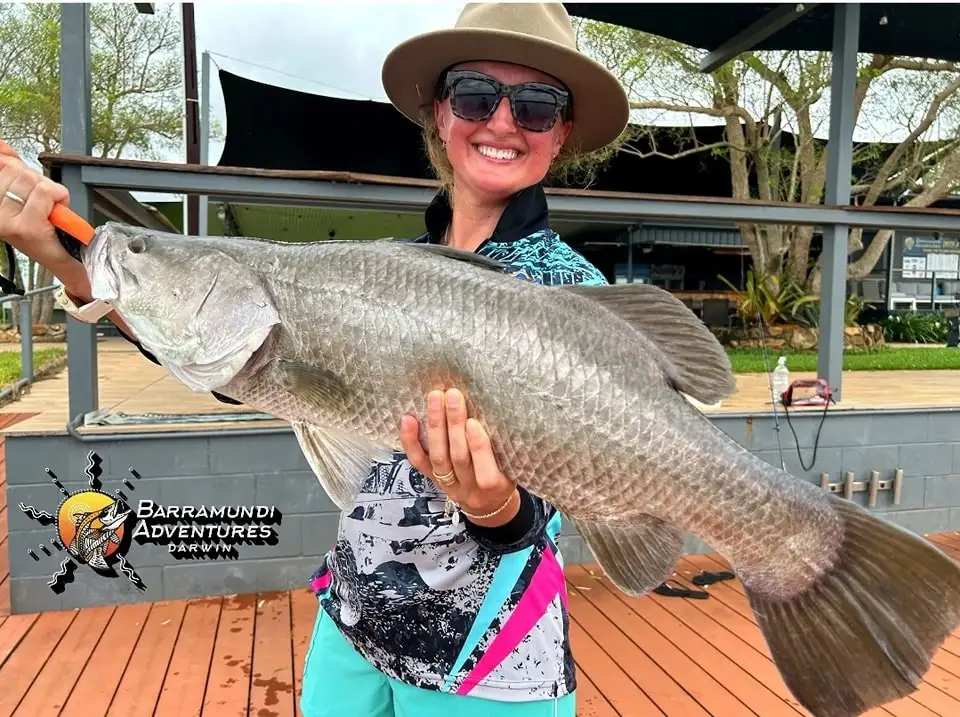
(600, 106)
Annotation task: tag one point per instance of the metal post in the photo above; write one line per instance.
(26, 339)
(833, 294)
(191, 115)
(76, 138)
(891, 255)
(204, 135)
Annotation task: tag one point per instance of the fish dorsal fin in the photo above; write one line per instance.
(698, 365)
(469, 257)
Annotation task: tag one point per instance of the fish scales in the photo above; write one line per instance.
(581, 390)
(567, 403)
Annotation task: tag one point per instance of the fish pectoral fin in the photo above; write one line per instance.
(690, 355)
(316, 385)
(637, 554)
(341, 460)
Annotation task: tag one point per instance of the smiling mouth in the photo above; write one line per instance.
(497, 153)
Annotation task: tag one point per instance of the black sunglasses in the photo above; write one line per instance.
(475, 96)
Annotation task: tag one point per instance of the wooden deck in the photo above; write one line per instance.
(243, 655)
(132, 385)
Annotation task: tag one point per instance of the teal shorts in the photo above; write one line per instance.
(339, 682)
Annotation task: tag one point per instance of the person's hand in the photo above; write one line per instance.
(457, 446)
(26, 227)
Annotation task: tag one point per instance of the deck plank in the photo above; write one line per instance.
(52, 687)
(98, 682)
(303, 616)
(628, 696)
(750, 695)
(186, 680)
(143, 678)
(26, 662)
(592, 703)
(243, 656)
(930, 693)
(228, 684)
(658, 684)
(700, 684)
(12, 631)
(271, 689)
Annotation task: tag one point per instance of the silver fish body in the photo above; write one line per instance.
(580, 390)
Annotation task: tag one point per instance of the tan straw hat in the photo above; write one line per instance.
(537, 35)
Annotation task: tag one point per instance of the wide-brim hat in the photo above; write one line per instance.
(537, 35)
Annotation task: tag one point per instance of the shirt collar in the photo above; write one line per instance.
(525, 214)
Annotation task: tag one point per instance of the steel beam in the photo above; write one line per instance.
(82, 381)
(833, 283)
(120, 206)
(601, 209)
(749, 38)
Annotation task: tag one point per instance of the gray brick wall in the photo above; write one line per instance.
(270, 470)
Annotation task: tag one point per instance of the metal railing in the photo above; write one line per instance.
(25, 302)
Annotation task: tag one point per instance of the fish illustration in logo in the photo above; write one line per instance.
(96, 533)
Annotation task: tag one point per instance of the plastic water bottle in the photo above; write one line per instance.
(781, 379)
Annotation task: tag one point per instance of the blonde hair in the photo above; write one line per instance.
(569, 167)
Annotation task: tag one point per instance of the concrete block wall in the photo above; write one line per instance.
(269, 470)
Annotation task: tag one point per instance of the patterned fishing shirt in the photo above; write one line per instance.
(462, 609)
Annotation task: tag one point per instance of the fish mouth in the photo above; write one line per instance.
(101, 272)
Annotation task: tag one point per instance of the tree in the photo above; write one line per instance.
(913, 104)
(136, 88)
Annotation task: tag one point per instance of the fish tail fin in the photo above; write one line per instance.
(865, 633)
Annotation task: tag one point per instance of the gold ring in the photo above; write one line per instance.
(446, 479)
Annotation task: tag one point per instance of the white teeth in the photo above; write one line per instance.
(495, 153)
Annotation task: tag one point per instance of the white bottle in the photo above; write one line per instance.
(781, 379)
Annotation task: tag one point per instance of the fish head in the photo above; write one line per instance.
(199, 309)
(113, 517)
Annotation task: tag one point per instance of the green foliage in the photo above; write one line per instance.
(776, 299)
(136, 79)
(883, 358)
(10, 362)
(913, 327)
(912, 105)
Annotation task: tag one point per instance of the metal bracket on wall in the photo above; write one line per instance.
(849, 485)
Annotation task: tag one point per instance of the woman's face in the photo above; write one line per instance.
(495, 159)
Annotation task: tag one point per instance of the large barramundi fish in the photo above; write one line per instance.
(582, 392)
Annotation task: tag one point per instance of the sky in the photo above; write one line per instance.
(329, 48)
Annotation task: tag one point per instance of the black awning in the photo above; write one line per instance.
(929, 30)
(271, 127)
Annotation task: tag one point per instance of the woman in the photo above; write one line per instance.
(444, 593)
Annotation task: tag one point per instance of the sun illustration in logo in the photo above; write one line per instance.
(93, 527)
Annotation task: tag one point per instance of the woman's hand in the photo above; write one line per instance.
(457, 446)
(26, 227)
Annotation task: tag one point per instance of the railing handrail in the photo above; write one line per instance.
(7, 298)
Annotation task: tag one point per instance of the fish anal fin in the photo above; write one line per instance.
(698, 365)
(340, 459)
(637, 554)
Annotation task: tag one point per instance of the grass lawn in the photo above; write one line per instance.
(10, 362)
(882, 359)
